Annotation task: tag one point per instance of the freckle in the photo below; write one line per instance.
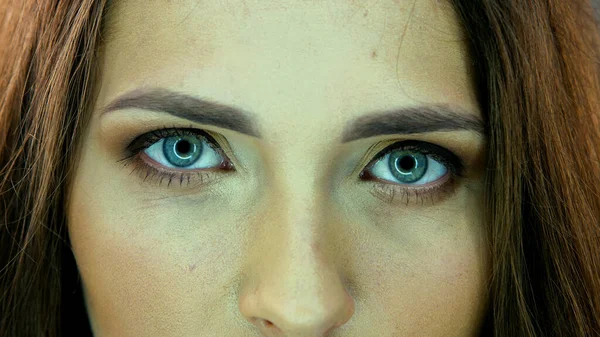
(191, 267)
(365, 13)
(374, 54)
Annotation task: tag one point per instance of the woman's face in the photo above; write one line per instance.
(268, 206)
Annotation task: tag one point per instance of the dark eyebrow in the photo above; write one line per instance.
(407, 120)
(197, 110)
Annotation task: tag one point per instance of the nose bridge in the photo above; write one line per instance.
(295, 195)
(294, 228)
(294, 285)
(295, 221)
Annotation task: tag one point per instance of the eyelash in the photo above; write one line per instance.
(389, 192)
(149, 171)
(393, 193)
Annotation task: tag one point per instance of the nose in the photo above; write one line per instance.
(292, 286)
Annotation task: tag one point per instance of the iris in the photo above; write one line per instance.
(182, 151)
(408, 166)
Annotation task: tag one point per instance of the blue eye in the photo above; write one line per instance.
(409, 167)
(184, 152)
(414, 163)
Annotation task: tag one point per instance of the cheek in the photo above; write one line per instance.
(142, 262)
(118, 271)
(436, 292)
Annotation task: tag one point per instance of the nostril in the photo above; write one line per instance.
(264, 322)
(269, 328)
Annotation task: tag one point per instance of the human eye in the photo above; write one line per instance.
(413, 171)
(177, 155)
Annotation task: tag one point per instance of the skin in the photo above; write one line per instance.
(291, 243)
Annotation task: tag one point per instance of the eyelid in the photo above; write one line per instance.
(452, 161)
(400, 194)
(226, 150)
(220, 144)
(148, 169)
(147, 139)
(216, 141)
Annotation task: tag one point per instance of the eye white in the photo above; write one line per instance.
(208, 159)
(435, 170)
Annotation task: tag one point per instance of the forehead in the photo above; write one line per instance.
(334, 55)
(206, 26)
(146, 14)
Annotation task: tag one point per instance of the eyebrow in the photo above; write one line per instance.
(404, 120)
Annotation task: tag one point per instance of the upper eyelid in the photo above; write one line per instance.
(457, 167)
(222, 149)
(142, 141)
(225, 150)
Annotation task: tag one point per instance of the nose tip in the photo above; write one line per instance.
(309, 306)
(312, 317)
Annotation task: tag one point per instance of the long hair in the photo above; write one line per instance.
(538, 80)
(538, 75)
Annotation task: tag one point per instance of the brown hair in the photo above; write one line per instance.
(536, 66)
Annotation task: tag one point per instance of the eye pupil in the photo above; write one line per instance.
(407, 163)
(183, 147)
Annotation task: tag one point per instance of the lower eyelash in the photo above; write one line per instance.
(147, 172)
(395, 194)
